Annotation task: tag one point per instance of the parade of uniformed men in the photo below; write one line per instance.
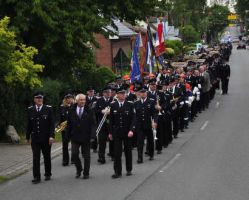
(144, 115)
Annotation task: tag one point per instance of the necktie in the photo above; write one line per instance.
(38, 109)
(80, 112)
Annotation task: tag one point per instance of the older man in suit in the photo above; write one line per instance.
(79, 131)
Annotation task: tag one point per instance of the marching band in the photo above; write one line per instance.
(126, 115)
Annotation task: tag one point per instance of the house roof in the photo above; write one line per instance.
(121, 31)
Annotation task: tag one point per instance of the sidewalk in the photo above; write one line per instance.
(17, 159)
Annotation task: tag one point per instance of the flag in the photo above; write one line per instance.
(135, 66)
(165, 29)
(149, 62)
(160, 43)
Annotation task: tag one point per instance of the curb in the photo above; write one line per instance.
(26, 165)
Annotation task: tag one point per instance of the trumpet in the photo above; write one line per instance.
(61, 127)
(154, 134)
(158, 107)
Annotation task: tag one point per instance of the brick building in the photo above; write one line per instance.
(115, 51)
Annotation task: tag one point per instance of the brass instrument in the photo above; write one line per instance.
(174, 99)
(61, 127)
(154, 133)
(158, 107)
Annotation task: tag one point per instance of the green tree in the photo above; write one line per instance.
(17, 73)
(217, 21)
(189, 34)
(242, 9)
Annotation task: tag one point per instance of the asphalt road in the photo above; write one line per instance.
(209, 161)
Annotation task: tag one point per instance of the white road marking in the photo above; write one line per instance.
(204, 125)
(170, 163)
(217, 104)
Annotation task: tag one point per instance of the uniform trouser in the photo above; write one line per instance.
(65, 151)
(164, 133)
(207, 99)
(181, 117)
(94, 144)
(141, 135)
(86, 148)
(102, 139)
(202, 101)
(161, 134)
(193, 111)
(111, 148)
(175, 120)
(119, 145)
(224, 83)
(198, 106)
(212, 92)
(45, 148)
(134, 140)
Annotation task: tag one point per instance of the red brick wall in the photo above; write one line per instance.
(103, 55)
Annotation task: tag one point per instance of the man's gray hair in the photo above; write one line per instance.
(79, 96)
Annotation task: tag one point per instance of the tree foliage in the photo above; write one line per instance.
(18, 74)
(189, 34)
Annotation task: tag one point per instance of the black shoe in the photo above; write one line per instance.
(95, 151)
(128, 174)
(65, 164)
(86, 177)
(175, 136)
(36, 180)
(114, 176)
(151, 158)
(182, 130)
(139, 161)
(159, 152)
(78, 174)
(47, 178)
(101, 161)
(165, 146)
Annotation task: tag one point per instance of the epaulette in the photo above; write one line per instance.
(48, 106)
(113, 102)
(131, 102)
(152, 99)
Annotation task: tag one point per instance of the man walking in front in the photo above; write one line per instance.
(79, 131)
(40, 134)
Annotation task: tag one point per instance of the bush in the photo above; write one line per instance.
(176, 45)
(189, 34)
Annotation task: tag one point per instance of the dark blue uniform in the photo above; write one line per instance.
(40, 128)
(122, 120)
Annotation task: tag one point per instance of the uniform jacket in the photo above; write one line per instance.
(145, 112)
(122, 120)
(40, 124)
